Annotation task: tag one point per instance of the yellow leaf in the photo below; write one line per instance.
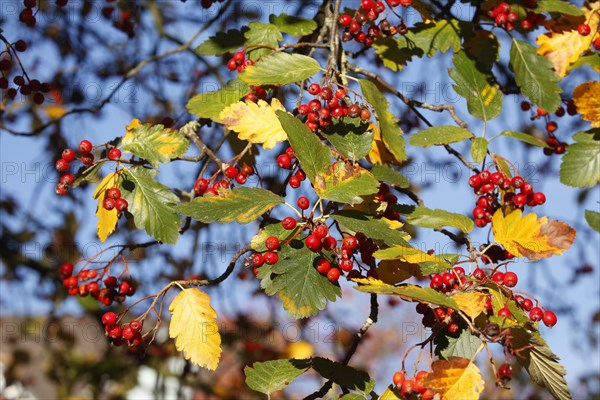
(471, 303)
(300, 350)
(395, 271)
(587, 100)
(107, 220)
(255, 122)
(379, 154)
(389, 395)
(563, 45)
(133, 125)
(194, 328)
(531, 237)
(55, 111)
(408, 254)
(455, 379)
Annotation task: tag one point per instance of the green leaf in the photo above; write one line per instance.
(436, 36)
(464, 346)
(391, 134)
(580, 167)
(429, 267)
(301, 288)
(222, 43)
(411, 255)
(293, 25)
(484, 48)
(345, 183)
(395, 53)
(313, 155)
(258, 241)
(240, 204)
(280, 69)
(351, 396)
(151, 204)
(375, 229)
(484, 101)
(557, 6)
(479, 149)
(351, 137)
(210, 104)
(499, 300)
(591, 59)
(343, 375)
(406, 291)
(593, 219)
(534, 76)
(439, 135)
(541, 363)
(89, 175)
(270, 376)
(435, 218)
(261, 34)
(387, 174)
(390, 394)
(155, 143)
(525, 137)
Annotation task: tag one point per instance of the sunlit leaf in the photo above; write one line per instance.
(345, 183)
(455, 379)
(107, 220)
(580, 167)
(210, 104)
(530, 236)
(471, 303)
(293, 25)
(280, 69)
(270, 376)
(407, 292)
(439, 135)
(261, 39)
(194, 327)
(155, 143)
(255, 122)
(587, 100)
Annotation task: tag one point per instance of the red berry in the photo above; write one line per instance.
(294, 182)
(231, 172)
(510, 279)
(284, 161)
(303, 109)
(124, 287)
(340, 93)
(231, 65)
(436, 282)
(113, 193)
(536, 314)
(453, 328)
(549, 318)
(257, 260)
(428, 394)
(504, 312)
(109, 318)
(398, 378)
(288, 223)
(271, 257)
(66, 270)
(539, 198)
(21, 45)
(303, 202)
(113, 331)
(272, 243)
(520, 200)
(498, 277)
(346, 265)
(407, 388)
(329, 243)
(108, 204)
(313, 243)
(121, 205)
(68, 155)
(478, 213)
(505, 372)
(85, 146)
(314, 89)
(239, 56)
(349, 242)
(200, 186)
(475, 181)
(584, 29)
(527, 304)
(448, 279)
(478, 274)
(62, 165)
(551, 126)
(135, 326)
(333, 275)
(114, 154)
(87, 158)
(247, 170)
(127, 333)
(240, 179)
(345, 20)
(110, 281)
(323, 266)
(321, 231)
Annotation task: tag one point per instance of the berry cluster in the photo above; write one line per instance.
(113, 200)
(131, 332)
(62, 165)
(239, 62)
(270, 257)
(445, 318)
(413, 388)
(504, 16)
(22, 83)
(317, 114)
(113, 290)
(485, 183)
(27, 15)
(286, 161)
(203, 186)
(505, 372)
(369, 11)
(449, 280)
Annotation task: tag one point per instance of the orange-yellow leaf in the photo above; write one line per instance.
(300, 350)
(455, 379)
(379, 154)
(530, 236)
(587, 100)
(194, 328)
(255, 122)
(107, 220)
(396, 271)
(133, 125)
(471, 303)
(55, 111)
(563, 45)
